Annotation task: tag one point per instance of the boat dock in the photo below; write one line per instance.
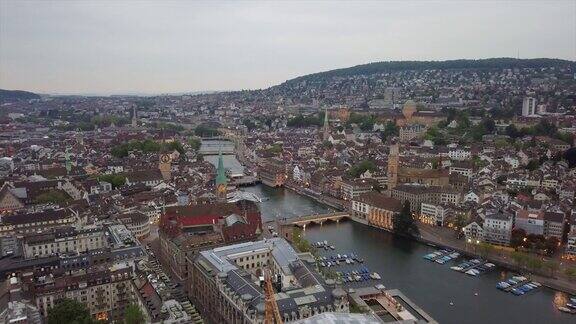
(390, 305)
(520, 283)
(475, 264)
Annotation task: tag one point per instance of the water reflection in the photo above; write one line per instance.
(560, 299)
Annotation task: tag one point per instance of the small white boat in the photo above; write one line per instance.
(472, 272)
(375, 276)
(565, 309)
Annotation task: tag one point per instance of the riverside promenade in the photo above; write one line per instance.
(444, 237)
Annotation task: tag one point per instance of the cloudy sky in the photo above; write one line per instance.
(138, 46)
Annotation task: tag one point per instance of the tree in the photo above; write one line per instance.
(133, 315)
(512, 131)
(533, 165)
(53, 196)
(405, 223)
(517, 238)
(552, 266)
(486, 249)
(249, 124)
(519, 258)
(570, 273)
(69, 311)
(361, 167)
(116, 180)
(194, 143)
(390, 129)
(552, 245)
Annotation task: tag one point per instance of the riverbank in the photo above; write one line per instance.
(430, 235)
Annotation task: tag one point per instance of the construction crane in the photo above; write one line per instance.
(272, 312)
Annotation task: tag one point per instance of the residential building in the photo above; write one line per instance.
(351, 189)
(497, 228)
(528, 106)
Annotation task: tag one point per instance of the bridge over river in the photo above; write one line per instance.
(302, 221)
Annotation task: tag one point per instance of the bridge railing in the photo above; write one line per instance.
(315, 217)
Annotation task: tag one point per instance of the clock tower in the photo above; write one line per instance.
(165, 166)
(221, 180)
(393, 160)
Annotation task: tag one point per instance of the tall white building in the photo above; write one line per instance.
(528, 106)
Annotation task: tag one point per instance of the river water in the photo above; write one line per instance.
(432, 286)
(399, 262)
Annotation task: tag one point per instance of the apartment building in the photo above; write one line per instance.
(106, 292)
(28, 223)
(64, 240)
(497, 228)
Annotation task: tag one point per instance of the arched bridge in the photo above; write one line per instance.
(302, 221)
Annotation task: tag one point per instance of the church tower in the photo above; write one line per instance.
(221, 180)
(393, 166)
(165, 166)
(134, 118)
(68, 162)
(326, 134)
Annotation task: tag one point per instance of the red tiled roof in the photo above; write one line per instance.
(198, 220)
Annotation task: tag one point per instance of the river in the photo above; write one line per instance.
(432, 286)
(399, 262)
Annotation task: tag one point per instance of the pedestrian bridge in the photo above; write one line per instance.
(302, 221)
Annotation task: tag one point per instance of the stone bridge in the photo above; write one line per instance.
(302, 221)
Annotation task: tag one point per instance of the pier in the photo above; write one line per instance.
(519, 284)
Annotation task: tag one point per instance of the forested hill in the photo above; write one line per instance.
(394, 66)
(16, 95)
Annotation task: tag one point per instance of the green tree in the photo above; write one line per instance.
(206, 131)
(390, 129)
(361, 167)
(552, 266)
(53, 196)
(194, 143)
(570, 273)
(405, 223)
(69, 311)
(519, 258)
(485, 249)
(517, 237)
(533, 165)
(173, 146)
(116, 180)
(133, 315)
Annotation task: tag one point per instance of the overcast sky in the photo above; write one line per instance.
(113, 47)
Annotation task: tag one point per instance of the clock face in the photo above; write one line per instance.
(165, 158)
(221, 187)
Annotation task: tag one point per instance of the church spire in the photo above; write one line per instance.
(68, 162)
(221, 180)
(326, 125)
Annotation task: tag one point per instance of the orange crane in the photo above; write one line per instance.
(272, 312)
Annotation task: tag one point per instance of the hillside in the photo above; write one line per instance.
(394, 66)
(16, 95)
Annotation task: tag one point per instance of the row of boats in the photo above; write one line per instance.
(518, 285)
(362, 274)
(474, 267)
(570, 306)
(441, 256)
(338, 259)
(324, 245)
